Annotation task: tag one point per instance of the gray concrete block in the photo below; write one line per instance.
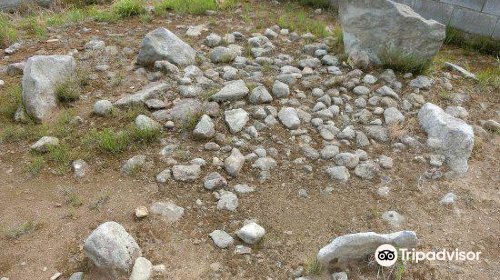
(492, 7)
(496, 33)
(471, 4)
(430, 9)
(473, 22)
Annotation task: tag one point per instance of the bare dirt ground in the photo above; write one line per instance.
(296, 227)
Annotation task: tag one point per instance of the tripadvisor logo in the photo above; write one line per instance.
(387, 255)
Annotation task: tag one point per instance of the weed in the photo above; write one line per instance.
(13, 133)
(8, 33)
(314, 267)
(477, 43)
(71, 197)
(10, 101)
(143, 135)
(398, 60)
(195, 7)
(83, 3)
(445, 95)
(300, 21)
(103, 198)
(24, 229)
(146, 18)
(76, 15)
(191, 121)
(36, 165)
(489, 77)
(107, 141)
(103, 15)
(33, 26)
(128, 8)
(132, 112)
(324, 4)
(68, 91)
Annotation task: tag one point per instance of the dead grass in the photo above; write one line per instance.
(24, 229)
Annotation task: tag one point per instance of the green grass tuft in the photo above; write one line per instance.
(107, 141)
(36, 165)
(8, 33)
(34, 27)
(71, 197)
(477, 43)
(68, 91)
(10, 100)
(314, 267)
(399, 61)
(300, 21)
(128, 8)
(195, 7)
(24, 229)
(143, 136)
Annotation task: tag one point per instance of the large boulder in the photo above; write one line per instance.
(11, 5)
(382, 26)
(41, 76)
(112, 249)
(161, 44)
(358, 245)
(448, 136)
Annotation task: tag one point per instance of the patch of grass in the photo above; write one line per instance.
(397, 60)
(131, 112)
(8, 33)
(445, 95)
(103, 198)
(107, 141)
(314, 267)
(24, 229)
(14, 133)
(489, 77)
(10, 100)
(128, 8)
(195, 7)
(71, 197)
(323, 4)
(146, 18)
(76, 15)
(34, 27)
(477, 43)
(191, 121)
(103, 15)
(83, 3)
(143, 135)
(35, 166)
(301, 21)
(68, 91)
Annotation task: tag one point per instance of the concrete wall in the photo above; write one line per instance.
(480, 17)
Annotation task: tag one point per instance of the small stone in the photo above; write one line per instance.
(339, 276)
(221, 239)
(289, 118)
(168, 210)
(383, 191)
(103, 108)
(251, 233)
(448, 199)
(236, 119)
(385, 161)
(134, 164)
(227, 201)
(242, 250)
(74, 276)
(141, 211)
(340, 173)
(44, 144)
(280, 90)
(141, 270)
(80, 167)
(214, 181)
(234, 162)
(205, 129)
(186, 173)
(243, 189)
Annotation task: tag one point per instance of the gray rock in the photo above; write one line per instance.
(103, 108)
(377, 132)
(205, 129)
(214, 180)
(44, 144)
(42, 75)
(374, 27)
(309, 152)
(348, 160)
(361, 90)
(76, 276)
(221, 239)
(460, 70)
(448, 199)
(112, 237)
(329, 152)
(80, 167)
(340, 173)
(491, 125)
(153, 90)
(227, 201)
(289, 118)
(265, 163)
(232, 91)
(260, 95)
(447, 136)
(236, 119)
(234, 162)
(161, 44)
(393, 116)
(222, 55)
(186, 173)
(312, 63)
(280, 89)
(168, 210)
(164, 176)
(213, 40)
(134, 164)
(457, 112)
(367, 170)
(251, 233)
(421, 82)
(339, 276)
(141, 270)
(359, 245)
(243, 189)
(145, 123)
(385, 161)
(166, 67)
